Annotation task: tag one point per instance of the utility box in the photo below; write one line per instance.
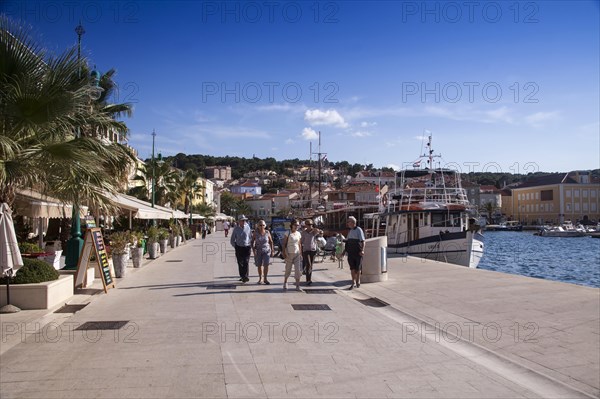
(374, 263)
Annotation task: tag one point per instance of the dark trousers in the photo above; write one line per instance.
(242, 254)
(308, 257)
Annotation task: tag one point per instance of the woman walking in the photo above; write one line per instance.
(292, 253)
(262, 248)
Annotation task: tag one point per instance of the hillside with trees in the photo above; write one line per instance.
(240, 166)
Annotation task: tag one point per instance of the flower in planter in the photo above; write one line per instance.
(119, 241)
(152, 234)
(29, 248)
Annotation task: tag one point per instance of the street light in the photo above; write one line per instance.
(75, 242)
(191, 196)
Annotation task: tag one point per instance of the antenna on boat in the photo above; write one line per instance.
(429, 155)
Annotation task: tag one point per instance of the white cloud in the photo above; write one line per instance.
(539, 118)
(362, 134)
(309, 134)
(330, 117)
(368, 124)
(393, 166)
(289, 141)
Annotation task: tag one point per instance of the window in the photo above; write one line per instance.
(576, 193)
(551, 208)
(577, 207)
(593, 207)
(593, 193)
(537, 196)
(568, 193)
(585, 206)
(537, 207)
(568, 207)
(585, 193)
(547, 195)
(519, 197)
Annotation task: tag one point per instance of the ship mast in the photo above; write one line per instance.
(429, 154)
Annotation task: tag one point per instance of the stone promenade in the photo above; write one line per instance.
(189, 329)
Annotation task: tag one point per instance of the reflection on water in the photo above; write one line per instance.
(571, 260)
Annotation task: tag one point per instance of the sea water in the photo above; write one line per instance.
(568, 259)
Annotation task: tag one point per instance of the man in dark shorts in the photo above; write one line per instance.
(355, 248)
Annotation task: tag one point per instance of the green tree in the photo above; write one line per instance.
(43, 104)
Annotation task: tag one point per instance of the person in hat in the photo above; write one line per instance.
(241, 238)
(355, 249)
(309, 248)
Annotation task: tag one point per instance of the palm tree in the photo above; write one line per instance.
(166, 182)
(42, 105)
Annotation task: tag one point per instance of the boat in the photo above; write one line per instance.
(510, 225)
(564, 230)
(428, 215)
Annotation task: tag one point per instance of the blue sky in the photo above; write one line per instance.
(502, 86)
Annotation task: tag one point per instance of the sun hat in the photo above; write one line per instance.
(242, 217)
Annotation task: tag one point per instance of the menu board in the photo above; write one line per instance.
(94, 243)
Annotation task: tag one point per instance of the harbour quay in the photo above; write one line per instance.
(183, 326)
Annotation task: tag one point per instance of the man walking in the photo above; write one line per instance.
(309, 248)
(241, 237)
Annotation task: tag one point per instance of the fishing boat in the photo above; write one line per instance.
(428, 215)
(510, 225)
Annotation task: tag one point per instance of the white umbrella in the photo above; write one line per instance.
(10, 256)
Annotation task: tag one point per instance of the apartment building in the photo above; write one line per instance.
(555, 198)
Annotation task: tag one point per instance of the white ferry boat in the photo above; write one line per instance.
(428, 216)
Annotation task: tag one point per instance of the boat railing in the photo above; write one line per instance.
(428, 195)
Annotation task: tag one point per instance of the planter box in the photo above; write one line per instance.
(53, 259)
(39, 296)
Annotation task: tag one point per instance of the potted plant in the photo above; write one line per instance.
(29, 248)
(152, 234)
(163, 239)
(119, 245)
(137, 250)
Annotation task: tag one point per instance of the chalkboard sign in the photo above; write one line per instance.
(90, 222)
(93, 243)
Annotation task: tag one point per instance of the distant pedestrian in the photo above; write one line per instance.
(262, 248)
(309, 248)
(339, 250)
(292, 253)
(226, 227)
(204, 229)
(355, 249)
(241, 240)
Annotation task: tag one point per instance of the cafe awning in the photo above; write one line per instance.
(36, 205)
(140, 209)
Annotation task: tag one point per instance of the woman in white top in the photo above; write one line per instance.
(292, 253)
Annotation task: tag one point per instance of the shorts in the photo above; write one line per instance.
(262, 259)
(355, 262)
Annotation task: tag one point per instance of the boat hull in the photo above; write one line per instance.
(463, 248)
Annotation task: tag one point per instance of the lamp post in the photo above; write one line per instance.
(191, 197)
(153, 177)
(75, 242)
